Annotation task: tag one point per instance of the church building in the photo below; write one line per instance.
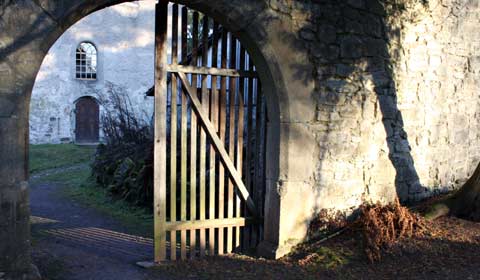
(110, 50)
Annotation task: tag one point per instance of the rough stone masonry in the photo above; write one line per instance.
(368, 99)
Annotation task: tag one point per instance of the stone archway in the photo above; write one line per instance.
(31, 27)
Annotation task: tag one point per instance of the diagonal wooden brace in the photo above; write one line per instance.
(217, 143)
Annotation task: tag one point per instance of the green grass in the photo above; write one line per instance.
(86, 192)
(81, 187)
(45, 157)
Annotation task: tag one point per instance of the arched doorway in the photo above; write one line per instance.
(87, 121)
(274, 49)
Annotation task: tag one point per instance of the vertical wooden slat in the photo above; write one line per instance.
(160, 160)
(240, 140)
(231, 137)
(183, 214)
(222, 131)
(173, 135)
(262, 152)
(251, 147)
(203, 137)
(261, 198)
(248, 150)
(258, 141)
(193, 142)
(213, 117)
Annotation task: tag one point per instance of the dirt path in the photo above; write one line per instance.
(53, 171)
(74, 242)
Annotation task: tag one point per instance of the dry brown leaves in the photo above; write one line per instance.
(326, 222)
(382, 226)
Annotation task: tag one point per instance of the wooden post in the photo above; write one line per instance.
(203, 137)
(214, 118)
(222, 131)
(173, 136)
(231, 136)
(240, 140)
(250, 149)
(193, 143)
(183, 172)
(160, 161)
(258, 142)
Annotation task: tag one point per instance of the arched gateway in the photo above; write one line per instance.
(263, 36)
(346, 84)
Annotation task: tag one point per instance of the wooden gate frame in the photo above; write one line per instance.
(177, 71)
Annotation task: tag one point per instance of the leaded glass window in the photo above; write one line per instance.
(86, 61)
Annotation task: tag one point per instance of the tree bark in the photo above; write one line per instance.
(465, 203)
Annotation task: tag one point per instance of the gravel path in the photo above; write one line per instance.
(74, 242)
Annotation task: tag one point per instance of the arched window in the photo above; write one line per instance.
(86, 61)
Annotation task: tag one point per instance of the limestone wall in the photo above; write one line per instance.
(396, 98)
(355, 112)
(124, 37)
(438, 90)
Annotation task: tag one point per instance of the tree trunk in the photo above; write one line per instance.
(465, 203)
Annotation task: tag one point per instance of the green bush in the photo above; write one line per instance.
(124, 162)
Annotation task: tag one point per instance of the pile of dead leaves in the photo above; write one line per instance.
(326, 222)
(381, 226)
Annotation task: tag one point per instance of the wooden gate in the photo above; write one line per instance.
(86, 120)
(210, 139)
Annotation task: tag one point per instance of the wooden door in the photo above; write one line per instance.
(209, 138)
(87, 114)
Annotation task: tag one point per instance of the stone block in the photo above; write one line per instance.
(281, 5)
(376, 7)
(328, 99)
(307, 34)
(353, 27)
(359, 4)
(388, 106)
(376, 47)
(327, 34)
(294, 220)
(344, 70)
(351, 47)
(326, 53)
(298, 162)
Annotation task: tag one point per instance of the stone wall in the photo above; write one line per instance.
(367, 100)
(438, 90)
(396, 98)
(124, 38)
(356, 126)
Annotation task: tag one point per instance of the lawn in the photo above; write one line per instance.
(45, 157)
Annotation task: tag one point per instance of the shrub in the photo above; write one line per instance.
(124, 162)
